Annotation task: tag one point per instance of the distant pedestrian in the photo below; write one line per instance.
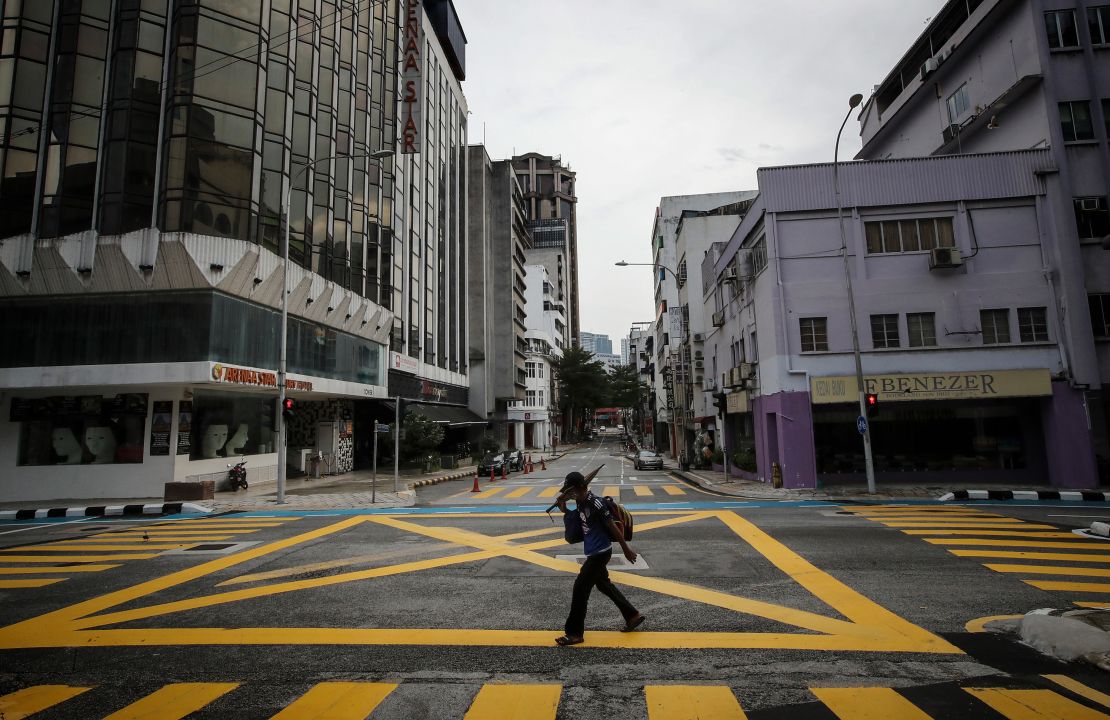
(598, 531)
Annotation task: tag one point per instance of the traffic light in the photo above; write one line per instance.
(288, 409)
(872, 402)
(720, 400)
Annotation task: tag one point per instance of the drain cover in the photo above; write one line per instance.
(618, 562)
(211, 549)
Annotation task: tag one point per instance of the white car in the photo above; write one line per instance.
(647, 460)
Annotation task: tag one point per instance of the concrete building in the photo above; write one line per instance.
(596, 343)
(993, 75)
(551, 207)
(640, 341)
(625, 357)
(498, 242)
(961, 269)
(535, 418)
(140, 264)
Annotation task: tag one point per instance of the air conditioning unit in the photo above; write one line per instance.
(731, 275)
(734, 377)
(718, 319)
(699, 337)
(1090, 204)
(746, 370)
(699, 364)
(710, 384)
(949, 133)
(928, 68)
(945, 257)
(699, 354)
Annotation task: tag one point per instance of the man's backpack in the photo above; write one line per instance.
(621, 517)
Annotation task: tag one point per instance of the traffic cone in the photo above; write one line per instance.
(504, 473)
(476, 488)
(525, 468)
(543, 463)
(491, 475)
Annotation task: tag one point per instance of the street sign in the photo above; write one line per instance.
(861, 425)
(382, 428)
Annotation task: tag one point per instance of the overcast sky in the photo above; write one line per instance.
(646, 98)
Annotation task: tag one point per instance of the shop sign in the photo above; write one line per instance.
(432, 391)
(160, 426)
(738, 402)
(404, 363)
(975, 385)
(412, 77)
(261, 378)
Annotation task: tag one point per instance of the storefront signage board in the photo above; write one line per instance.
(962, 385)
(738, 402)
(404, 363)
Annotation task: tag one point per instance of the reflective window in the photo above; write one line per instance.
(81, 430)
(231, 425)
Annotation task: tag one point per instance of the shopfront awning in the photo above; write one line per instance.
(452, 415)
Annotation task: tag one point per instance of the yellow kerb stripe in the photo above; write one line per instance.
(1069, 586)
(173, 702)
(1080, 689)
(515, 702)
(337, 701)
(691, 702)
(1088, 545)
(868, 703)
(1034, 705)
(1049, 570)
(1019, 555)
(28, 701)
(995, 533)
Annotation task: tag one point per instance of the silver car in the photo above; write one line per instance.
(647, 460)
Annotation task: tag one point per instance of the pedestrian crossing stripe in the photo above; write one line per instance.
(551, 491)
(1016, 539)
(528, 701)
(855, 622)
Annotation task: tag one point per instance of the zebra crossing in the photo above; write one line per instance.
(1052, 697)
(1043, 556)
(548, 492)
(48, 563)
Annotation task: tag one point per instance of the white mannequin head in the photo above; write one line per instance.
(100, 439)
(213, 440)
(237, 441)
(66, 445)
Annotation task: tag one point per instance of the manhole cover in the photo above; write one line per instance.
(211, 549)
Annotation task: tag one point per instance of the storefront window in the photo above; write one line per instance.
(231, 425)
(80, 430)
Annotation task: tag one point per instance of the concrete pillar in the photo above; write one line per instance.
(1069, 446)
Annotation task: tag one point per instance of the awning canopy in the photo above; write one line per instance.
(451, 415)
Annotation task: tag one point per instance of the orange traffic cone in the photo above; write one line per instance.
(476, 488)
(492, 477)
(525, 468)
(543, 463)
(504, 472)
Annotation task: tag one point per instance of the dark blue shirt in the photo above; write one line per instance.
(595, 518)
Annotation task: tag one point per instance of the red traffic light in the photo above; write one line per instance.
(872, 399)
(287, 404)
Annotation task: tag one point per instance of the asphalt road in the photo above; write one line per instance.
(450, 609)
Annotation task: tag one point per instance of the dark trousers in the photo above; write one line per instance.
(593, 573)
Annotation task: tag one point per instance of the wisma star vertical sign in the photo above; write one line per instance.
(412, 78)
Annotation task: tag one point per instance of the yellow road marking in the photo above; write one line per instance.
(28, 701)
(1080, 689)
(39, 570)
(489, 493)
(611, 491)
(177, 531)
(1049, 570)
(138, 537)
(868, 703)
(1085, 545)
(994, 533)
(968, 526)
(1034, 705)
(519, 492)
(691, 702)
(549, 492)
(74, 558)
(337, 701)
(946, 518)
(642, 491)
(515, 702)
(62, 547)
(173, 702)
(673, 490)
(1091, 604)
(13, 584)
(342, 562)
(1069, 586)
(978, 625)
(1018, 555)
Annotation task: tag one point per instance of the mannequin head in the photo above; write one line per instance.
(100, 439)
(213, 439)
(237, 441)
(66, 445)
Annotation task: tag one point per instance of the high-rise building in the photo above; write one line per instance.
(625, 358)
(551, 206)
(596, 343)
(156, 150)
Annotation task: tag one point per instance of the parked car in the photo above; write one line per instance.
(515, 458)
(648, 460)
(491, 463)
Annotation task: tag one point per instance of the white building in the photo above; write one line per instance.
(533, 419)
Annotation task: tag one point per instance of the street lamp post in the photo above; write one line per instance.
(865, 428)
(682, 341)
(279, 422)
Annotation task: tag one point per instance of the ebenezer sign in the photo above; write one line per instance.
(981, 385)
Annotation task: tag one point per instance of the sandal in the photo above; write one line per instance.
(634, 623)
(565, 640)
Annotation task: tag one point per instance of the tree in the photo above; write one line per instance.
(421, 436)
(583, 384)
(624, 387)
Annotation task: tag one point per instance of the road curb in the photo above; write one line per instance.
(438, 480)
(1068, 495)
(104, 511)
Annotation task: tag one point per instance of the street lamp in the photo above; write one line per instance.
(864, 426)
(682, 341)
(279, 420)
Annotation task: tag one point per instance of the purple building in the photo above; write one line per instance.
(972, 320)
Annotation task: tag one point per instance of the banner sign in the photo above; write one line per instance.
(185, 427)
(160, 425)
(412, 78)
(974, 385)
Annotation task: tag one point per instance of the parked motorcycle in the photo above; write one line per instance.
(237, 475)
